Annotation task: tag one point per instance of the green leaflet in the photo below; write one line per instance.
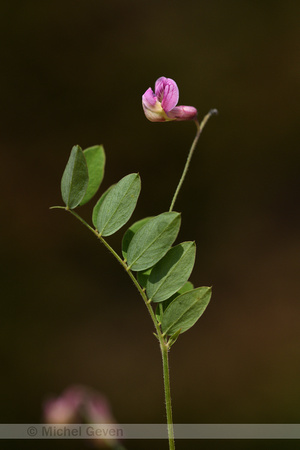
(95, 159)
(130, 233)
(185, 310)
(75, 178)
(98, 204)
(162, 306)
(152, 241)
(118, 205)
(171, 272)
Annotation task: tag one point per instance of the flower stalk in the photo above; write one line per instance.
(192, 149)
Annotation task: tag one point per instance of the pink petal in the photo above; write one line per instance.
(64, 409)
(183, 113)
(152, 107)
(149, 98)
(167, 93)
(160, 87)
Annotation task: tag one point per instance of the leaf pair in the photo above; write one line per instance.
(81, 180)
(83, 175)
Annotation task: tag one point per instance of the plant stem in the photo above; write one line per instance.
(164, 347)
(199, 131)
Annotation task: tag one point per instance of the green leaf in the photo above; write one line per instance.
(152, 241)
(185, 310)
(162, 306)
(118, 205)
(130, 233)
(171, 272)
(98, 204)
(75, 178)
(143, 276)
(95, 159)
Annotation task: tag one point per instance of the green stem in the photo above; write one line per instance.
(164, 347)
(192, 149)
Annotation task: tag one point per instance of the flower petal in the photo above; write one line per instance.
(149, 98)
(160, 87)
(183, 113)
(167, 93)
(156, 114)
(152, 107)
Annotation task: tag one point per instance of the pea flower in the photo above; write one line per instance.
(79, 404)
(76, 403)
(161, 105)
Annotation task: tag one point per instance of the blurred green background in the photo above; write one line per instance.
(73, 72)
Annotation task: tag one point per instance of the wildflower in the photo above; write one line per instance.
(80, 404)
(65, 408)
(161, 105)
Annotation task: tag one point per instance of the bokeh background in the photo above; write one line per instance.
(73, 72)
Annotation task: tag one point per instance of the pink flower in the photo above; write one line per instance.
(76, 403)
(65, 408)
(80, 404)
(161, 105)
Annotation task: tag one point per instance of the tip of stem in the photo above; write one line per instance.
(213, 111)
(57, 207)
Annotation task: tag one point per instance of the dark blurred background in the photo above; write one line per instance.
(73, 72)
